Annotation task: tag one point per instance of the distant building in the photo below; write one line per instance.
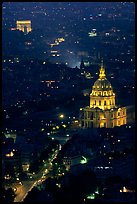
(82, 66)
(72, 161)
(11, 135)
(102, 111)
(24, 26)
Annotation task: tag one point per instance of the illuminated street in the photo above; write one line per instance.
(27, 186)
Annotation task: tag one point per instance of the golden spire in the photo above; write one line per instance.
(102, 74)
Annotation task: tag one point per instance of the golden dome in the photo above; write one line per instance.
(102, 95)
(102, 84)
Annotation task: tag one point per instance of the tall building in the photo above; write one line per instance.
(82, 67)
(102, 111)
(24, 26)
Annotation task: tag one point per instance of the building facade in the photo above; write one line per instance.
(24, 26)
(102, 111)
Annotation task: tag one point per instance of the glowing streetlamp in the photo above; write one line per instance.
(61, 116)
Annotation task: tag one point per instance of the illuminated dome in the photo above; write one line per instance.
(102, 84)
(102, 95)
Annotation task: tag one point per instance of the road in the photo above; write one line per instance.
(23, 190)
(27, 186)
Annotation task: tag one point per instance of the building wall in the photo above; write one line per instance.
(103, 102)
(130, 114)
(98, 118)
(71, 161)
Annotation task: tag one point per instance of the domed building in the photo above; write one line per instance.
(102, 111)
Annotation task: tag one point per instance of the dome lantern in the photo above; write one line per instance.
(102, 74)
(102, 95)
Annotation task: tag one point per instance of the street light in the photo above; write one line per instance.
(61, 116)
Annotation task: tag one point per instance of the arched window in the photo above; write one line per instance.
(105, 103)
(110, 102)
(95, 102)
(99, 103)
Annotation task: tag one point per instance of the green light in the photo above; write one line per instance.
(83, 160)
(91, 196)
(97, 191)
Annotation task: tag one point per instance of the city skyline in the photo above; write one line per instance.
(68, 132)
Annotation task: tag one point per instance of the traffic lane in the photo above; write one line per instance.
(23, 190)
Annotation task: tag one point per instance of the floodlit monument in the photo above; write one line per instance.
(24, 26)
(102, 111)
